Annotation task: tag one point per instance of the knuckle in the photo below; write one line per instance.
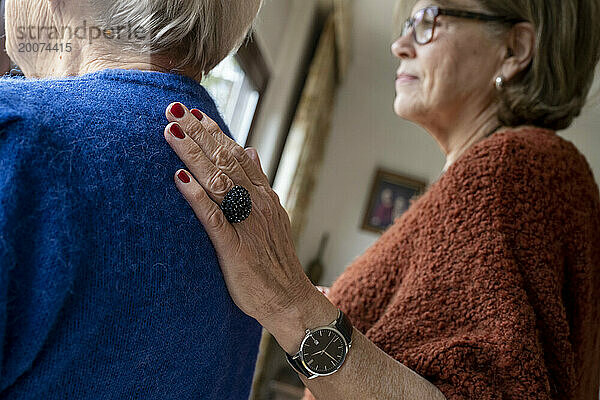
(268, 211)
(213, 127)
(224, 159)
(195, 130)
(239, 153)
(216, 218)
(218, 183)
(196, 156)
(271, 209)
(215, 132)
(198, 197)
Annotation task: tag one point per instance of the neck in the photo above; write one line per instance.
(84, 61)
(459, 134)
(461, 143)
(84, 54)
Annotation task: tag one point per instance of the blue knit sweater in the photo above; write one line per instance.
(109, 285)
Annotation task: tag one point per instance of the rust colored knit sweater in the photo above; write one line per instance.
(489, 285)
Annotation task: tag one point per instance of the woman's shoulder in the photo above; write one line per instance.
(29, 100)
(518, 142)
(119, 97)
(526, 150)
(528, 141)
(530, 167)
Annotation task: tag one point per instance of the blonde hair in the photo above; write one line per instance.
(195, 34)
(553, 89)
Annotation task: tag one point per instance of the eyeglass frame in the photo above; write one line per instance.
(410, 22)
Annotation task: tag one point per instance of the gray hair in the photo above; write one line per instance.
(195, 34)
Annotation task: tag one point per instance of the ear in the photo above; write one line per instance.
(520, 49)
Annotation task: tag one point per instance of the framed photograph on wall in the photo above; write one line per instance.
(389, 198)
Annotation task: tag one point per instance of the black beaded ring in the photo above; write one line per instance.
(237, 204)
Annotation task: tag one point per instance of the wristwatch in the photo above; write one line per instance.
(323, 350)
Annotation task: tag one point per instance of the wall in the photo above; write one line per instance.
(366, 134)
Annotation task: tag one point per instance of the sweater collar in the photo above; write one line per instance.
(521, 128)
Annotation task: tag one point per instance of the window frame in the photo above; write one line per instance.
(252, 62)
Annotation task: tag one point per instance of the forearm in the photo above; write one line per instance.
(367, 373)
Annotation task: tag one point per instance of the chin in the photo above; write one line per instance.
(404, 108)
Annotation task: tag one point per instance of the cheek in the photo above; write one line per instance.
(474, 69)
(457, 77)
(444, 76)
(438, 83)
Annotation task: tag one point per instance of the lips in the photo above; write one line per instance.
(405, 78)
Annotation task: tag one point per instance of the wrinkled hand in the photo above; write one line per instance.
(257, 256)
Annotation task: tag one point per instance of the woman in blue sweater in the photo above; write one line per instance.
(107, 290)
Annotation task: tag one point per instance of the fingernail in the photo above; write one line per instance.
(197, 114)
(177, 110)
(176, 131)
(183, 177)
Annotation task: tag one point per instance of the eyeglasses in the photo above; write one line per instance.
(425, 20)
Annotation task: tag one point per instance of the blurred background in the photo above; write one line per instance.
(312, 90)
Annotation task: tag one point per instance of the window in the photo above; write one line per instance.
(235, 96)
(237, 85)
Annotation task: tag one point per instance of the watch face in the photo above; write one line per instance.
(323, 351)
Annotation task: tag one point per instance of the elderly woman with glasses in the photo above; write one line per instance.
(488, 286)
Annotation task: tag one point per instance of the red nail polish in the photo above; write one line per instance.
(197, 114)
(183, 177)
(177, 110)
(176, 131)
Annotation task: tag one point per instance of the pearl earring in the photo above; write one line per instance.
(499, 83)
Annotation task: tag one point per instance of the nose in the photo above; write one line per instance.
(404, 47)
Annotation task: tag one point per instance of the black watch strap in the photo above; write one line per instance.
(296, 363)
(344, 325)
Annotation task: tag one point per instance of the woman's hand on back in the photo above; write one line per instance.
(257, 256)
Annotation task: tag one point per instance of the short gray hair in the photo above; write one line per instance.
(195, 34)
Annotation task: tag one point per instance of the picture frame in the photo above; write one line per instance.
(390, 196)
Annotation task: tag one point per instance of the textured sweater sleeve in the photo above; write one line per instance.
(365, 290)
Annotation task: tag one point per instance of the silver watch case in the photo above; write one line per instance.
(309, 333)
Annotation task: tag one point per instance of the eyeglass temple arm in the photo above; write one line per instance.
(473, 15)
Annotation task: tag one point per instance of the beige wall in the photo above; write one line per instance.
(366, 134)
